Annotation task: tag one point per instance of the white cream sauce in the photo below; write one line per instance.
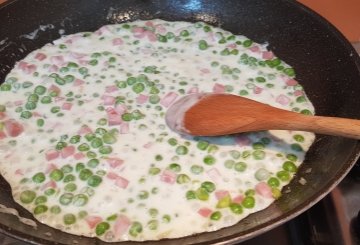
(89, 79)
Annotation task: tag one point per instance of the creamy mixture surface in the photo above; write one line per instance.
(85, 147)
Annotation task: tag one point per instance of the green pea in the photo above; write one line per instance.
(229, 164)
(49, 191)
(5, 87)
(184, 33)
(127, 117)
(248, 202)
(40, 200)
(158, 157)
(260, 79)
(154, 171)
(135, 229)
(258, 154)
(75, 139)
(67, 169)
(40, 209)
(216, 215)
(247, 43)
(90, 136)
(283, 175)
(154, 99)
(60, 145)
(172, 141)
(27, 196)
(72, 65)
(154, 91)
(190, 195)
(109, 138)
(258, 146)
(138, 88)
(209, 160)
(224, 202)
(299, 138)
(196, 169)
(175, 167)
(236, 208)
(80, 200)
(39, 177)
(55, 209)
(262, 174)
(276, 193)
(96, 142)
(143, 195)
(69, 219)
(289, 71)
(250, 192)
(203, 45)
(153, 212)
(235, 154)
(85, 174)
(181, 150)
(79, 166)
(83, 147)
(137, 115)
(166, 218)
(66, 198)
(202, 194)
(69, 78)
(94, 180)
(289, 166)
(112, 217)
(93, 163)
(40, 122)
(56, 175)
(208, 186)
(153, 224)
(121, 84)
(105, 149)
(306, 112)
(182, 179)
(26, 114)
(291, 157)
(131, 81)
(93, 62)
(30, 105)
(202, 145)
(296, 147)
(70, 187)
(212, 149)
(273, 182)
(33, 98)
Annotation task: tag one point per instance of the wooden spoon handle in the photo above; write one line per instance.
(327, 125)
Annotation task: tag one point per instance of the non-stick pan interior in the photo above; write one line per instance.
(326, 66)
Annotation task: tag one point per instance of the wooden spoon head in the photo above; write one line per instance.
(208, 114)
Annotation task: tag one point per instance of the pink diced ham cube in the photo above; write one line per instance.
(220, 194)
(121, 225)
(168, 99)
(205, 212)
(13, 128)
(114, 162)
(66, 106)
(51, 155)
(264, 190)
(121, 182)
(168, 176)
(218, 88)
(93, 220)
(67, 151)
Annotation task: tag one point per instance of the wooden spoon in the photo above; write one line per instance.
(209, 114)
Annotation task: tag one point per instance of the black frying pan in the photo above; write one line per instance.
(326, 64)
